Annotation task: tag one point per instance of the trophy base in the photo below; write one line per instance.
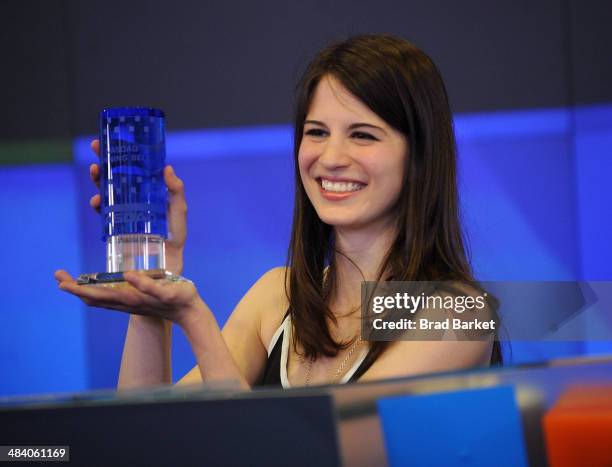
(115, 279)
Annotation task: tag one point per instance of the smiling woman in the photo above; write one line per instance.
(375, 199)
(348, 153)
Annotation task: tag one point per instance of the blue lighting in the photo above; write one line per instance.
(535, 188)
(211, 143)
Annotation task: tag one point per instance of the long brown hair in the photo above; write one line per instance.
(402, 85)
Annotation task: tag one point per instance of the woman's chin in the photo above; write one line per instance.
(354, 220)
(343, 222)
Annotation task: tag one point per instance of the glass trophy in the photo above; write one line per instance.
(133, 194)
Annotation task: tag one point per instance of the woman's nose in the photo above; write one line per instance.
(334, 155)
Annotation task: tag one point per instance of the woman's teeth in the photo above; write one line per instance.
(340, 187)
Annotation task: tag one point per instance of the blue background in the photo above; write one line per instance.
(529, 84)
(535, 196)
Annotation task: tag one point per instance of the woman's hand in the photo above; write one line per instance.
(178, 302)
(177, 212)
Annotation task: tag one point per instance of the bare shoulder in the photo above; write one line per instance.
(265, 298)
(249, 328)
(444, 348)
(269, 290)
(272, 292)
(409, 358)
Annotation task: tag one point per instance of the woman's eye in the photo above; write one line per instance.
(315, 132)
(363, 135)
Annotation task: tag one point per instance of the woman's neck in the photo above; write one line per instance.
(361, 253)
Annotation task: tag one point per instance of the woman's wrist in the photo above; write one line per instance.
(193, 315)
(174, 259)
(150, 323)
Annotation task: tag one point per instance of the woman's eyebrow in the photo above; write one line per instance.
(315, 122)
(351, 126)
(367, 125)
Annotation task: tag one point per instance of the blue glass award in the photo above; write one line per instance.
(133, 193)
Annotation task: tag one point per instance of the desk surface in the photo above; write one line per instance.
(325, 425)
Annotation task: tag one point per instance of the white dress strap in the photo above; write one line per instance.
(276, 335)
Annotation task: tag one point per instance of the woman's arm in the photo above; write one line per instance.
(146, 353)
(245, 334)
(237, 354)
(438, 351)
(410, 358)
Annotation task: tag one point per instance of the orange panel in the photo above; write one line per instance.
(578, 428)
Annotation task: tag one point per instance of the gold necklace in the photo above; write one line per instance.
(340, 368)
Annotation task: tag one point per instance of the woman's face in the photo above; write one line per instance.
(351, 162)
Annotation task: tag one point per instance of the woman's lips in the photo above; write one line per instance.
(337, 189)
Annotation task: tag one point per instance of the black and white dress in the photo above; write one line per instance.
(275, 372)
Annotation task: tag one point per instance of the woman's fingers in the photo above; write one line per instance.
(97, 294)
(94, 174)
(94, 202)
(176, 187)
(62, 276)
(177, 212)
(174, 183)
(95, 146)
(168, 293)
(141, 294)
(145, 284)
(123, 298)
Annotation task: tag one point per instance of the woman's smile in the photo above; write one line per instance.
(351, 161)
(338, 189)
